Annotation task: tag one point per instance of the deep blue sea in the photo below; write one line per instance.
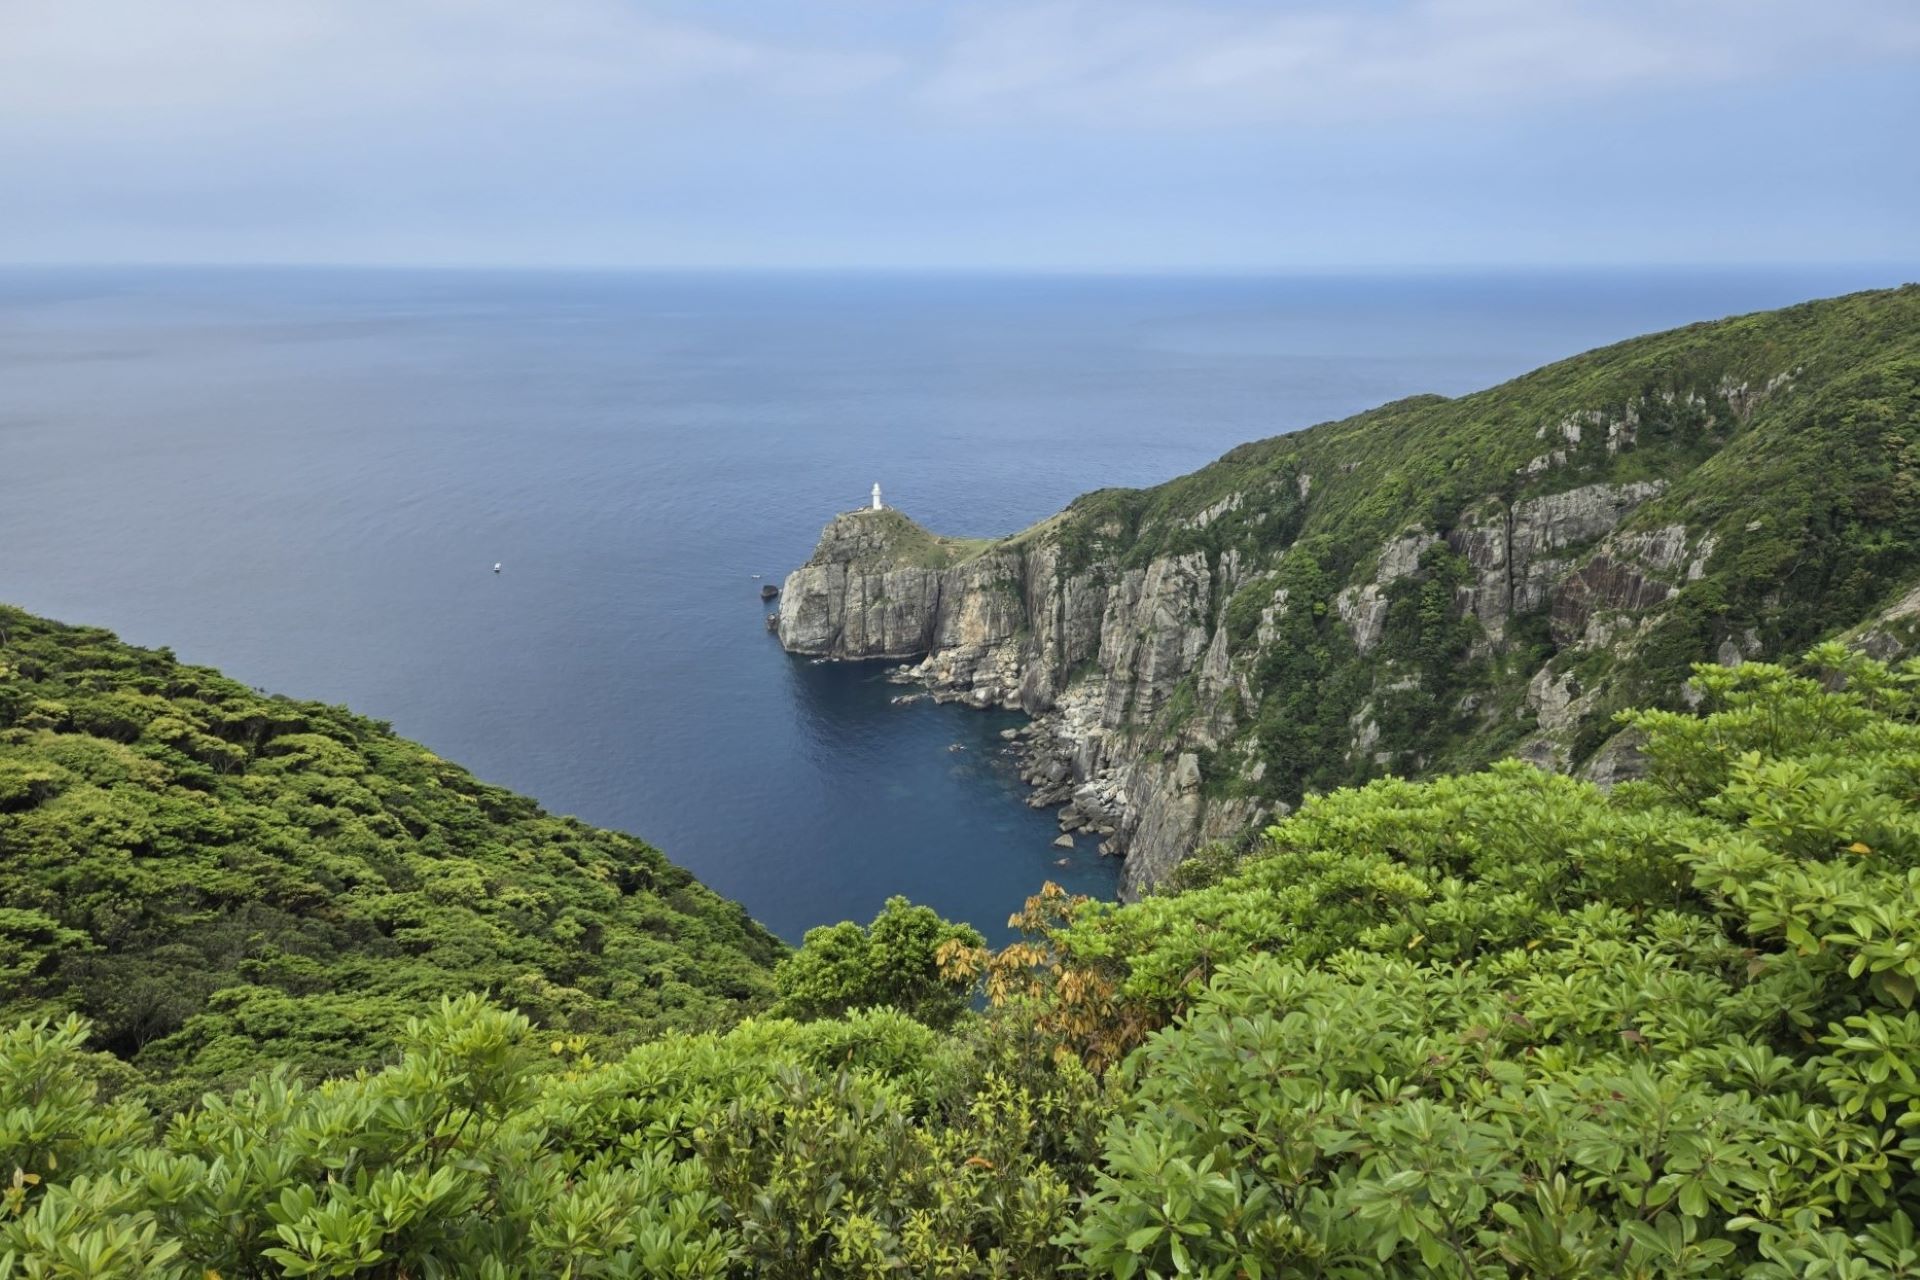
(305, 477)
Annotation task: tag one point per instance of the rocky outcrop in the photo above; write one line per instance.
(1894, 632)
(1098, 655)
(1131, 674)
(1519, 553)
(1629, 573)
(1602, 583)
(1364, 608)
(1618, 760)
(874, 589)
(1195, 656)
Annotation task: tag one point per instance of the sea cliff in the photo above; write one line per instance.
(1430, 585)
(1092, 655)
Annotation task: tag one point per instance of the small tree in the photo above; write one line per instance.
(893, 962)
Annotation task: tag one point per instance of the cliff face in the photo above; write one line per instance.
(1094, 654)
(1427, 586)
(875, 586)
(1132, 673)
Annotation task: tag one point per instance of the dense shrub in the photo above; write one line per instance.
(215, 878)
(893, 962)
(1502, 1024)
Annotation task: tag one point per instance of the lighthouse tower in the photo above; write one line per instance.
(876, 496)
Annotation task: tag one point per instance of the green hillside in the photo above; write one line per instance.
(1427, 587)
(1498, 1025)
(216, 878)
(292, 997)
(1787, 456)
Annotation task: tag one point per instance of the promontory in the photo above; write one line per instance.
(1427, 586)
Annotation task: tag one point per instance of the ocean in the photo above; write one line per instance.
(306, 476)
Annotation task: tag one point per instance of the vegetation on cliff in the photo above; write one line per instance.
(908, 543)
(293, 997)
(1437, 584)
(1498, 1024)
(215, 878)
(1780, 447)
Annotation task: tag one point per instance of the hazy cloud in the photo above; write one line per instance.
(1150, 61)
(147, 64)
(160, 64)
(1063, 132)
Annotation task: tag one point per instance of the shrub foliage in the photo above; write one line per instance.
(1494, 1025)
(215, 878)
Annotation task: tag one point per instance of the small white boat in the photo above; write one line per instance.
(496, 566)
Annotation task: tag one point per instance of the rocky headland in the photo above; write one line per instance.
(1431, 585)
(1090, 659)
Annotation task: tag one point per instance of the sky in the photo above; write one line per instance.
(961, 134)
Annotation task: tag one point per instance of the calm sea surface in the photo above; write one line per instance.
(305, 477)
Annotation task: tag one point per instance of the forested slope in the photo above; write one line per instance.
(217, 878)
(1424, 587)
(1502, 1024)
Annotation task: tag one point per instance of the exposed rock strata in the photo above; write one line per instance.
(1094, 655)
(1193, 656)
(1130, 672)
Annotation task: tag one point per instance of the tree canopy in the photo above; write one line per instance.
(1495, 1024)
(216, 878)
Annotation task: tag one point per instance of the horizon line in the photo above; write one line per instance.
(937, 269)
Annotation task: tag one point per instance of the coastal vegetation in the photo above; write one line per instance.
(1496, 1024)
(908, 544)
(286, 995)
(213, 878)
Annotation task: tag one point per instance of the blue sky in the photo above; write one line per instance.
(1060, 134)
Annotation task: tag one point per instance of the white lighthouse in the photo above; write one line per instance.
(876, 495)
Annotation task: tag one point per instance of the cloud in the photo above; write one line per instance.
(1132, 62)
(164, 64)
(221, 67)
(949, 131)
(148, 65)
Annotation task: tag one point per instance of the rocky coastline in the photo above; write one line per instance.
(1435, 584)
(1044, 751)
(1133, 679)
(1092, 657)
